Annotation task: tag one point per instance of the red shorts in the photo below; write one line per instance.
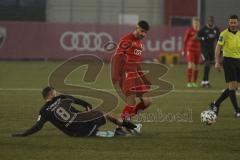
(193, 57)
(133, 84)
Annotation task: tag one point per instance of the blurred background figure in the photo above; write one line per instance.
(2, 36)
(208, 35)
(191, 48)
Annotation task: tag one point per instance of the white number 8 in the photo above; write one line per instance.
(63, 113)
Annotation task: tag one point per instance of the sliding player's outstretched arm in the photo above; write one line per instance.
(35, 128)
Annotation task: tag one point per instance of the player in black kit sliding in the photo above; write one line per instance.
(59, 111)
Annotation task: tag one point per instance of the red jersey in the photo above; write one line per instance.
(128, 56)
(190, 42)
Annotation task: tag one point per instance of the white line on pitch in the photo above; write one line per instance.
(20, 89)
(112, 90)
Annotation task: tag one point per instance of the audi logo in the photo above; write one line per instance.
(82, 41)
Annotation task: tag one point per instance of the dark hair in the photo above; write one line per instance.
(144, 25)
(233, 16)
(46, 90)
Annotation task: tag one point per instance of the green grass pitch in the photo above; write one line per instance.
(20, 85)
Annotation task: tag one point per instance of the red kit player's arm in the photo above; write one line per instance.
(118, 63)
(143, 77)
(185, 40)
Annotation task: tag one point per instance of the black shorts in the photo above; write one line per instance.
(208, 54)
(231, 68)
(91, 127)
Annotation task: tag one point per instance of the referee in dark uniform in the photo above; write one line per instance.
(229, 43)
(59, 111)
(208, 36)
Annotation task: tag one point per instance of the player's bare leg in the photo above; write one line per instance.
(144, 103)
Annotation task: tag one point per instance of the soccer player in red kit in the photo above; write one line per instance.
(191, 47)
(127, 74)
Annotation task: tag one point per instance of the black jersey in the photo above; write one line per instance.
(208, 36)
(65, 117)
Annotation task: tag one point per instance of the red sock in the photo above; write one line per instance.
(128, 112)
(140, 106)
(189, 74)
(195, 75)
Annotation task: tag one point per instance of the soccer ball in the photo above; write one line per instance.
(208, 117)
